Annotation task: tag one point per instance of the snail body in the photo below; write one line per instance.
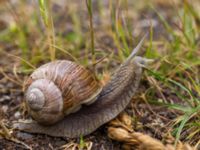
(112, 99)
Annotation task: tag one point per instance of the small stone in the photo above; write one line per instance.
(17, 115)
(10, 85)
(5, 98)
(1, 86)
(4, 109)
(60, 142)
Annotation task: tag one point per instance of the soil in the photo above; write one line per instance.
(152, 120)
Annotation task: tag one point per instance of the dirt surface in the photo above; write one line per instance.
(153, 120)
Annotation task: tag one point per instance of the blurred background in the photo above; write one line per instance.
(102, 34)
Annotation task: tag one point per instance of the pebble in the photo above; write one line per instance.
(17, 115)
(4, 109)
(1, 86)
(60, 142)
(10, 85)
(4, 98)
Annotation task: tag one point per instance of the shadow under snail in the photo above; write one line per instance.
(55, 94)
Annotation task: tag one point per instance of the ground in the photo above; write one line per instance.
(167, 100)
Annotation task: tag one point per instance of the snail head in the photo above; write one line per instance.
(142, 62)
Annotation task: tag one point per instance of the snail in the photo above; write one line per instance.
(92, 105)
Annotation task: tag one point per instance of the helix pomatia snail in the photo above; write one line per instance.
(101, 106)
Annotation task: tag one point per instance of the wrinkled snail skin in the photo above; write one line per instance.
(113, 99)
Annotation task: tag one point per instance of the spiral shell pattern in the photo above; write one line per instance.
(76, 84)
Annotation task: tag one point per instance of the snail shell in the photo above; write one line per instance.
(59, 88)
(112, 100)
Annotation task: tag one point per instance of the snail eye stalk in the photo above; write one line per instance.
(136, 49)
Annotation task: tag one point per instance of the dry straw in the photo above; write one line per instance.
(120, 130)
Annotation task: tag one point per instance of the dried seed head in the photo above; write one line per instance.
(119, 134)
(147, 142)
(125, 119)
